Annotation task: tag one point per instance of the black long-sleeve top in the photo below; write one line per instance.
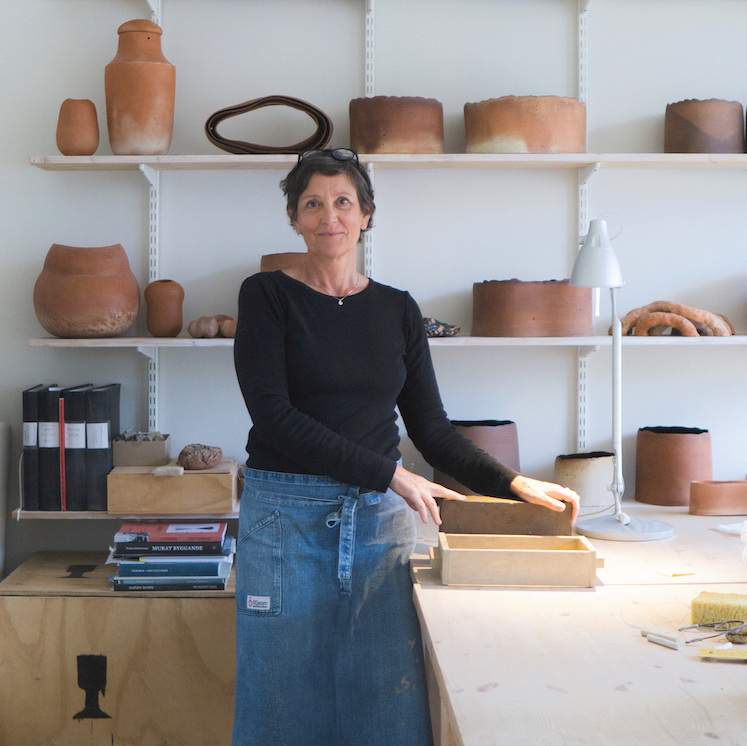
(321, 381)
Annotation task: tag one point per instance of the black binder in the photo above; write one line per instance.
(31, 447)
(75, 486)
(50, 461)
(98, 446)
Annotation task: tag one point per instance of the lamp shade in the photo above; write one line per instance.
(597, 265)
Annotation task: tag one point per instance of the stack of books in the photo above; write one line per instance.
(168, 556)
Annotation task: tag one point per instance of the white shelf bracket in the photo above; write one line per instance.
(583, 5)
(587, 172)
(150, 351)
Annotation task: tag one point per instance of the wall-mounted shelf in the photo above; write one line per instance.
(717, 161)
(738, 340)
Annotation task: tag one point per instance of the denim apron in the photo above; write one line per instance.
(328, 645)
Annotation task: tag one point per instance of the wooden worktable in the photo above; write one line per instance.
(560, 667)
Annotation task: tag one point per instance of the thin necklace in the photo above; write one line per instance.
(340, 298)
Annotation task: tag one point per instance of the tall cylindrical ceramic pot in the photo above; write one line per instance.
(86, 292)
(140, 84)
(590, 475)
(499, 438)
(668, 460)
(77, 127)
(163, 300)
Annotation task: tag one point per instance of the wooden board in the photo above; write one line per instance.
(133, 490)
(169, 671)
(487, 559)
(497, 515)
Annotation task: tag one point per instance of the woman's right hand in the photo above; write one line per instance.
(420, 494)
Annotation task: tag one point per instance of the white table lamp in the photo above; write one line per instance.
(597, 266)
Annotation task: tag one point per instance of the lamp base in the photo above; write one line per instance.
(610, 528)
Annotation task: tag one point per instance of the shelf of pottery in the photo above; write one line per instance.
(510, 133)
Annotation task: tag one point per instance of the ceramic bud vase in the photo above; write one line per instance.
(499, 438)
(86, 292)
(590, 475)
(668, 460)
(140, 84)
(163, 300)
(77, 127)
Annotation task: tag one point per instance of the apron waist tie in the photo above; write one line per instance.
(345, 517)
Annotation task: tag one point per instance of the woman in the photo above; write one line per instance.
(328, 645)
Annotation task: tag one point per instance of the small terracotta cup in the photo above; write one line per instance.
(77, 127)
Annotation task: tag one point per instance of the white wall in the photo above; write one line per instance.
(437, 231)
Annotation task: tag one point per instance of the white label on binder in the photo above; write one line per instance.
(75, 435)
(30, 434)
(49, 435)
(97, 434)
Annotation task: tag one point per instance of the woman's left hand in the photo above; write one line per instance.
(550, 495)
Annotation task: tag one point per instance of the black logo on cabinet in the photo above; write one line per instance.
(92, 679)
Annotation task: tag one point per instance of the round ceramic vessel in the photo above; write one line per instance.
(86, 292)
(163, 299)
(709, 126)
(668, 460)
(396, 124)
(77, 127)
(526, 124)
(499, 438)
(513, 308)
(588, 474)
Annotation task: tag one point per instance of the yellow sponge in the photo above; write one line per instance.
(718, 607)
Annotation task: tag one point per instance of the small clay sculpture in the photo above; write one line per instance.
(197, 457)
(212, 326)
(655, 318)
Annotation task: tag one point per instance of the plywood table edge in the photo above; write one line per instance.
(446, 708)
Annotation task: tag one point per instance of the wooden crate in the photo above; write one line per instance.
(133, 490)
(170, 658)
(497, 515)
(492, 559)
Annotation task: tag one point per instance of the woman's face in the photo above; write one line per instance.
(329, 217)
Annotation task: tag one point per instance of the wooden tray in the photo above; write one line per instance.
(492, 559)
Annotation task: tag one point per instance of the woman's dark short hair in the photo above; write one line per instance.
(295, 183)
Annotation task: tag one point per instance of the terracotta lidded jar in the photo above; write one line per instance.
(499, 438)
(77, 127)
(86, 292)
(668, 460)
(163, 300)
(140, 85)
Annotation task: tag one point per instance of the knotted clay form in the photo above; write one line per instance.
(655, 318)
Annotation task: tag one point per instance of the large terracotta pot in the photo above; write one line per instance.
(163, 299)
(140, 84)
(526, 124)
(86, 292)
(668, 460)
(396, 124)
(710, 126)
(499, 438)
(77, 127)
(590, 475)
(512, 308)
